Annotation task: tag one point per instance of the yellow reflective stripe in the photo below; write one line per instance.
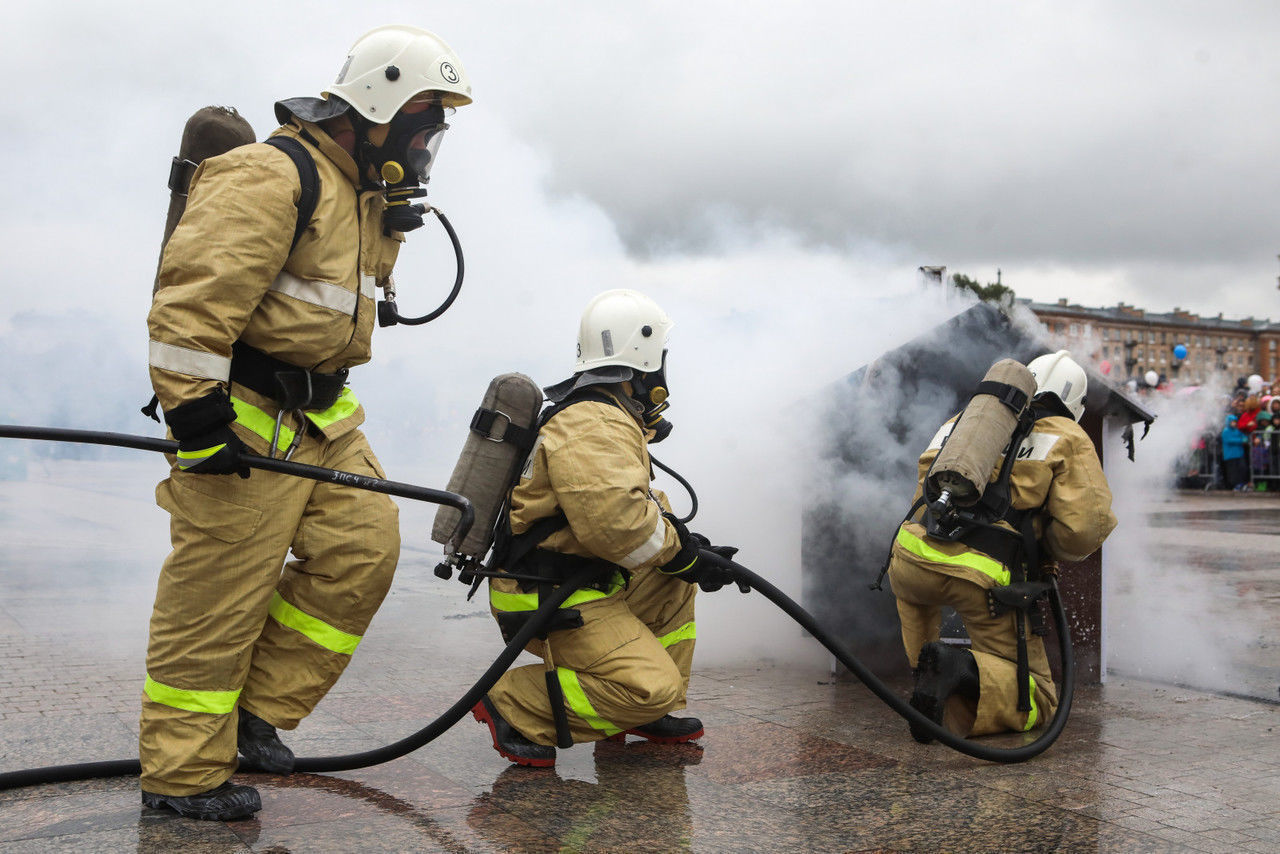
(686, 632)
(209, 702)
(1034, 714)
(684, 568)
(973, 560)
(191, 458)
(529, 601)
(261, 423)
(579, 704)
(319, 631)
(344, 407)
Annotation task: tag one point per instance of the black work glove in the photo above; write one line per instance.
(714, 577)
(216, 452)
(206, 444)
(689, 567)
(400, 215)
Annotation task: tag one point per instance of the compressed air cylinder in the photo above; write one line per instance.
(976, 446)
(500, 438)
(209, 132)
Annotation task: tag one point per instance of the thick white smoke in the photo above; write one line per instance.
(1172, 612)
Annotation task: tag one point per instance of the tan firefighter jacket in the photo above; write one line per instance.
(1057, 470)
(591, 461)
(227, 274)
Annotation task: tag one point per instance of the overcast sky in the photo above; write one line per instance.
(1100, 151)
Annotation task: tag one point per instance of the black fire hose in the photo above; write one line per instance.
(389, 315)
(891, 698)
(346, 478)
(538, 621)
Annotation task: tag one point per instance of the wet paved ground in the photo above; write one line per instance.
(792, 760)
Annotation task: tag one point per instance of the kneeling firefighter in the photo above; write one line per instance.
(264, 301)
(617, 657)
(1007, 488)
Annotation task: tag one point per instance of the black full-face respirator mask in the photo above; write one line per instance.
(650, 391)
(403, 162)
(403, 167)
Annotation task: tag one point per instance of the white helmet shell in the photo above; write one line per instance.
(622, 327)
(1059, 375)
(389, 65)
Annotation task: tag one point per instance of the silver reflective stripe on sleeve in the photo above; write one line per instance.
(646, 550)
(323, 294)
(943, 432)
(194, 363)
(367, 284)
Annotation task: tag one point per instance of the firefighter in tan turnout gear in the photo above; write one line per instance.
(252, 336)
(620, 649)
(1061, 503)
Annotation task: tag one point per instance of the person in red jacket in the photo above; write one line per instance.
(1249, 416)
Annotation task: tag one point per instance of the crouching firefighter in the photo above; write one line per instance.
(265, 300)
(1008, 488)
(618, 655)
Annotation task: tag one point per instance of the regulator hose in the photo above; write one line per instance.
(532, 627)
(891, 698)
(693, 496)
(389, 315)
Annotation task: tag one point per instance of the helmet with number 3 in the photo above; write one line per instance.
(388, 66)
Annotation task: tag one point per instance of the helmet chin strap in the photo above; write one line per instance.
(367, 160)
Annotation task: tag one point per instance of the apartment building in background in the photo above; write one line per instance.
(1125, 341)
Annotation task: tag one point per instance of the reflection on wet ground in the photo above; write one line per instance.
(792, 759)
(1237, 520)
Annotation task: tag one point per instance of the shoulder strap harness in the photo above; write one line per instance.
(308, 176)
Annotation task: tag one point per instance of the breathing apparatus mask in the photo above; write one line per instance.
(403, 161)
(650, 391)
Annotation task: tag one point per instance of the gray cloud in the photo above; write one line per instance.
(1127, 143)
(1092, 137)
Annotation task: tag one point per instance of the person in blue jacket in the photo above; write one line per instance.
(1235, 468)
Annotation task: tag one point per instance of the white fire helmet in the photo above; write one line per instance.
(389, 65)
(622, 327)
(1059, 375)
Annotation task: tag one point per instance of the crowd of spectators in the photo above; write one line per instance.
(1243, 453)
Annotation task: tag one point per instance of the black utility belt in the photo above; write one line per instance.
(1004, 546)
(288, 386)
(556, 567)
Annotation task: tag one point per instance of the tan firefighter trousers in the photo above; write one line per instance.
(921, 593)
(230, 628)
(627, 665)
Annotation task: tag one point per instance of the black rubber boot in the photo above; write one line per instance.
(227, 802)
(942, 670)
(257, 742)
(666, 730)
(508, 741)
